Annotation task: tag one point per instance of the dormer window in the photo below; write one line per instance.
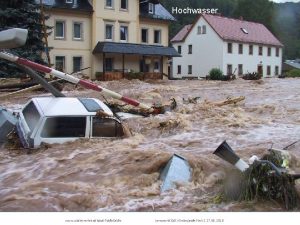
(151, 8)
(69, 1)
(244, 31)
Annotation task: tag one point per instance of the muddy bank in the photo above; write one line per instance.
(122, 175)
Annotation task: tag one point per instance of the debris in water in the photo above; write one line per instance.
(252, 76)
(228, 101)
(261, 181)
(224, 151)
(177, 170)
(266, 178)
(7, 124)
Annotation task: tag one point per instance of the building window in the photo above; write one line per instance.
(260, 50)
(151, 8)
(203, 29)
(124, 4)
(269, 51)
(109, 32)
(190, 49)
(69, 1)
(179, 49)
(276, 70)
(77, 63)
(60, 29)
(199, 30)
(109, 3)
(77, 31)
(145, 35)
(60, 63)
(250, 49)
(124, 33)
(190, 69)
(277, 52)
(240, 49)
(178, 69)
(157, 36)
(229, 47)
(229, 69)
(240, 69)
(109, 64)
(268, 70)
(156, 66)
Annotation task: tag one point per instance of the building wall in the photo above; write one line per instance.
(93, 25)
(152, 25)
(67, 46)
(206, 54)
(210, 51)
(250, 62)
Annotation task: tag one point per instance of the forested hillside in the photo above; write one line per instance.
(282, 19)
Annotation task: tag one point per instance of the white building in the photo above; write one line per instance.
(234, 46)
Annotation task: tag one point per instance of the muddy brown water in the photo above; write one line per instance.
(122, 175)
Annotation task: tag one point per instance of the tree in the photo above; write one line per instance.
(22, 14)
(260, 11)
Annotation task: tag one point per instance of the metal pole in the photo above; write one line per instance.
(75, 80)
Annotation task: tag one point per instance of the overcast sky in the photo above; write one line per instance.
(286, 0)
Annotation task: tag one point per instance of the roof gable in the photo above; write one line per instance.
(233, 30)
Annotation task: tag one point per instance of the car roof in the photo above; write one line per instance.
(66, 106)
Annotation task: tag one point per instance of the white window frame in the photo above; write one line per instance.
(108, 6)
(64, 30)
(199, 30)
(112, 31)
(159, 42)
(81, 61)
(151, 8)
(147, 37)
(81, 31)
(122, 9)
(126, 34)
(64, 62)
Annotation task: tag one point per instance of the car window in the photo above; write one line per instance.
(64, 127)
(31, 115)
(106, 127)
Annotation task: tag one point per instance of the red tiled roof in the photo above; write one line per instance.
(231, 30)
(181, 35)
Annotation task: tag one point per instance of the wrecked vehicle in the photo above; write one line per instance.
(59, 120)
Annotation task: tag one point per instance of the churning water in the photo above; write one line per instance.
(122, 175)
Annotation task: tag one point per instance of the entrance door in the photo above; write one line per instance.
(260, 69)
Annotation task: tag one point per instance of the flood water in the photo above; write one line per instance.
(122, 174)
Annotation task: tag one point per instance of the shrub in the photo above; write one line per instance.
(293, 73)
(99, 75)
(216, 74)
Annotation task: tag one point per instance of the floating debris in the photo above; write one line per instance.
(252, 76)
(177, 170)
(266, 178)
(7, 124)
(224, 151)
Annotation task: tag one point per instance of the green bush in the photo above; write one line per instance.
(99, 75)
(216, 74)
(293, 73)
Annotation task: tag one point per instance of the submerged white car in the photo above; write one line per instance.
(59, 120)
